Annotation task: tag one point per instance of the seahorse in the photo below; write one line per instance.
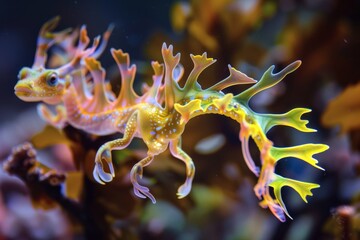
(41, 84)
(161, 124)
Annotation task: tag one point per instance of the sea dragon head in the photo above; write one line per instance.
(41, 85)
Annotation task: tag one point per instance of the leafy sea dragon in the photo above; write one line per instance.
(159, 117)
(39, 83)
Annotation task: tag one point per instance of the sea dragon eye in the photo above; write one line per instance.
(52, 80)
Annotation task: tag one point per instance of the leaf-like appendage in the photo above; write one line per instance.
(158, 68)
(150, 94)
(302, 188)
(105, 39)
(121, 58)
(172, 89)
(188, 109)
(235, 78)
(200, 63)
(291, 119)
(304, 152)
(57, 120)
(99, 101)
(127, 95)
(268, 80)
(93, 65)
(46, 39)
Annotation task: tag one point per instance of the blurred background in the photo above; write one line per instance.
(249, 35)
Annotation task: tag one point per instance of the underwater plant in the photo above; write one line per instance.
(159, 116)
(343, 110)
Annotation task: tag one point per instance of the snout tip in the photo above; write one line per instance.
(22, 90)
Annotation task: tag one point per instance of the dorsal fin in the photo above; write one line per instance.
(172, 89)
(127, 95)
(99, 101)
